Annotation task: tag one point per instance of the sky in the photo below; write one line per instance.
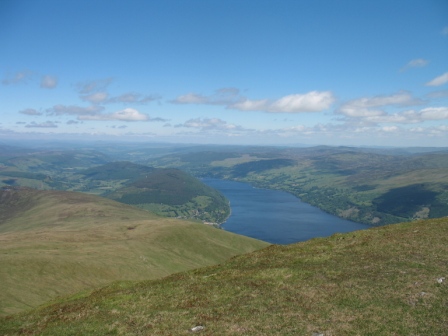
(284, 72)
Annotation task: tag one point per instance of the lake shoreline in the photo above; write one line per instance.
(254, 212)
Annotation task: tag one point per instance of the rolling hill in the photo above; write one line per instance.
(167, 192)
(55, 242)
(45, 168)
(390, 280)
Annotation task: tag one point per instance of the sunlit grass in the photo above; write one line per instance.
(63, 242)
(382, 281)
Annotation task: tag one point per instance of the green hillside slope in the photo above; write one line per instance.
(391, 280)
(54, 243)
(167, 192)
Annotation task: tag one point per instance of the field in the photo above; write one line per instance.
(390, 280)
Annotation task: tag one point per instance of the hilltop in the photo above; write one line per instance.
(55, 243)
(391, 280)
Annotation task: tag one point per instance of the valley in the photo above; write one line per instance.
(366, 185)
(90, 245)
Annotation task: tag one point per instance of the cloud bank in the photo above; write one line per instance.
(314, 101)
(128, 114)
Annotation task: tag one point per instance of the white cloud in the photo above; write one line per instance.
(434, 113)
(371, 107)
(132, 97)
(18, 77)
(214, 125)
(30, 111)
(49, 82)
(433, 131)
(313, 101)
(95, 98)
(48, 124)
(102, 97)
(190, 98)
(74, 110)
(415, 63)
(405, 117)
(442, 79)
(223, 96)
(208, 123)
(390, 128)
(128, 114)
(251, 105)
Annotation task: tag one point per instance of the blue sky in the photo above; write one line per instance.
(345, 72)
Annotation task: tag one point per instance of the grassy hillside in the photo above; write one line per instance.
(167, 192)
(55, 243)
(391, 280)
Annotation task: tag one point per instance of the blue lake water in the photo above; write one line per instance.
(276, 216)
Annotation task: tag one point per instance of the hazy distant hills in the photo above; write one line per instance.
(43, 168)
(391, 280)
(55, 243)
(371, 185)
(167, 192)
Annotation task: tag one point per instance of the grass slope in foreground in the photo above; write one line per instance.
(382, 281)
(56, 243)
